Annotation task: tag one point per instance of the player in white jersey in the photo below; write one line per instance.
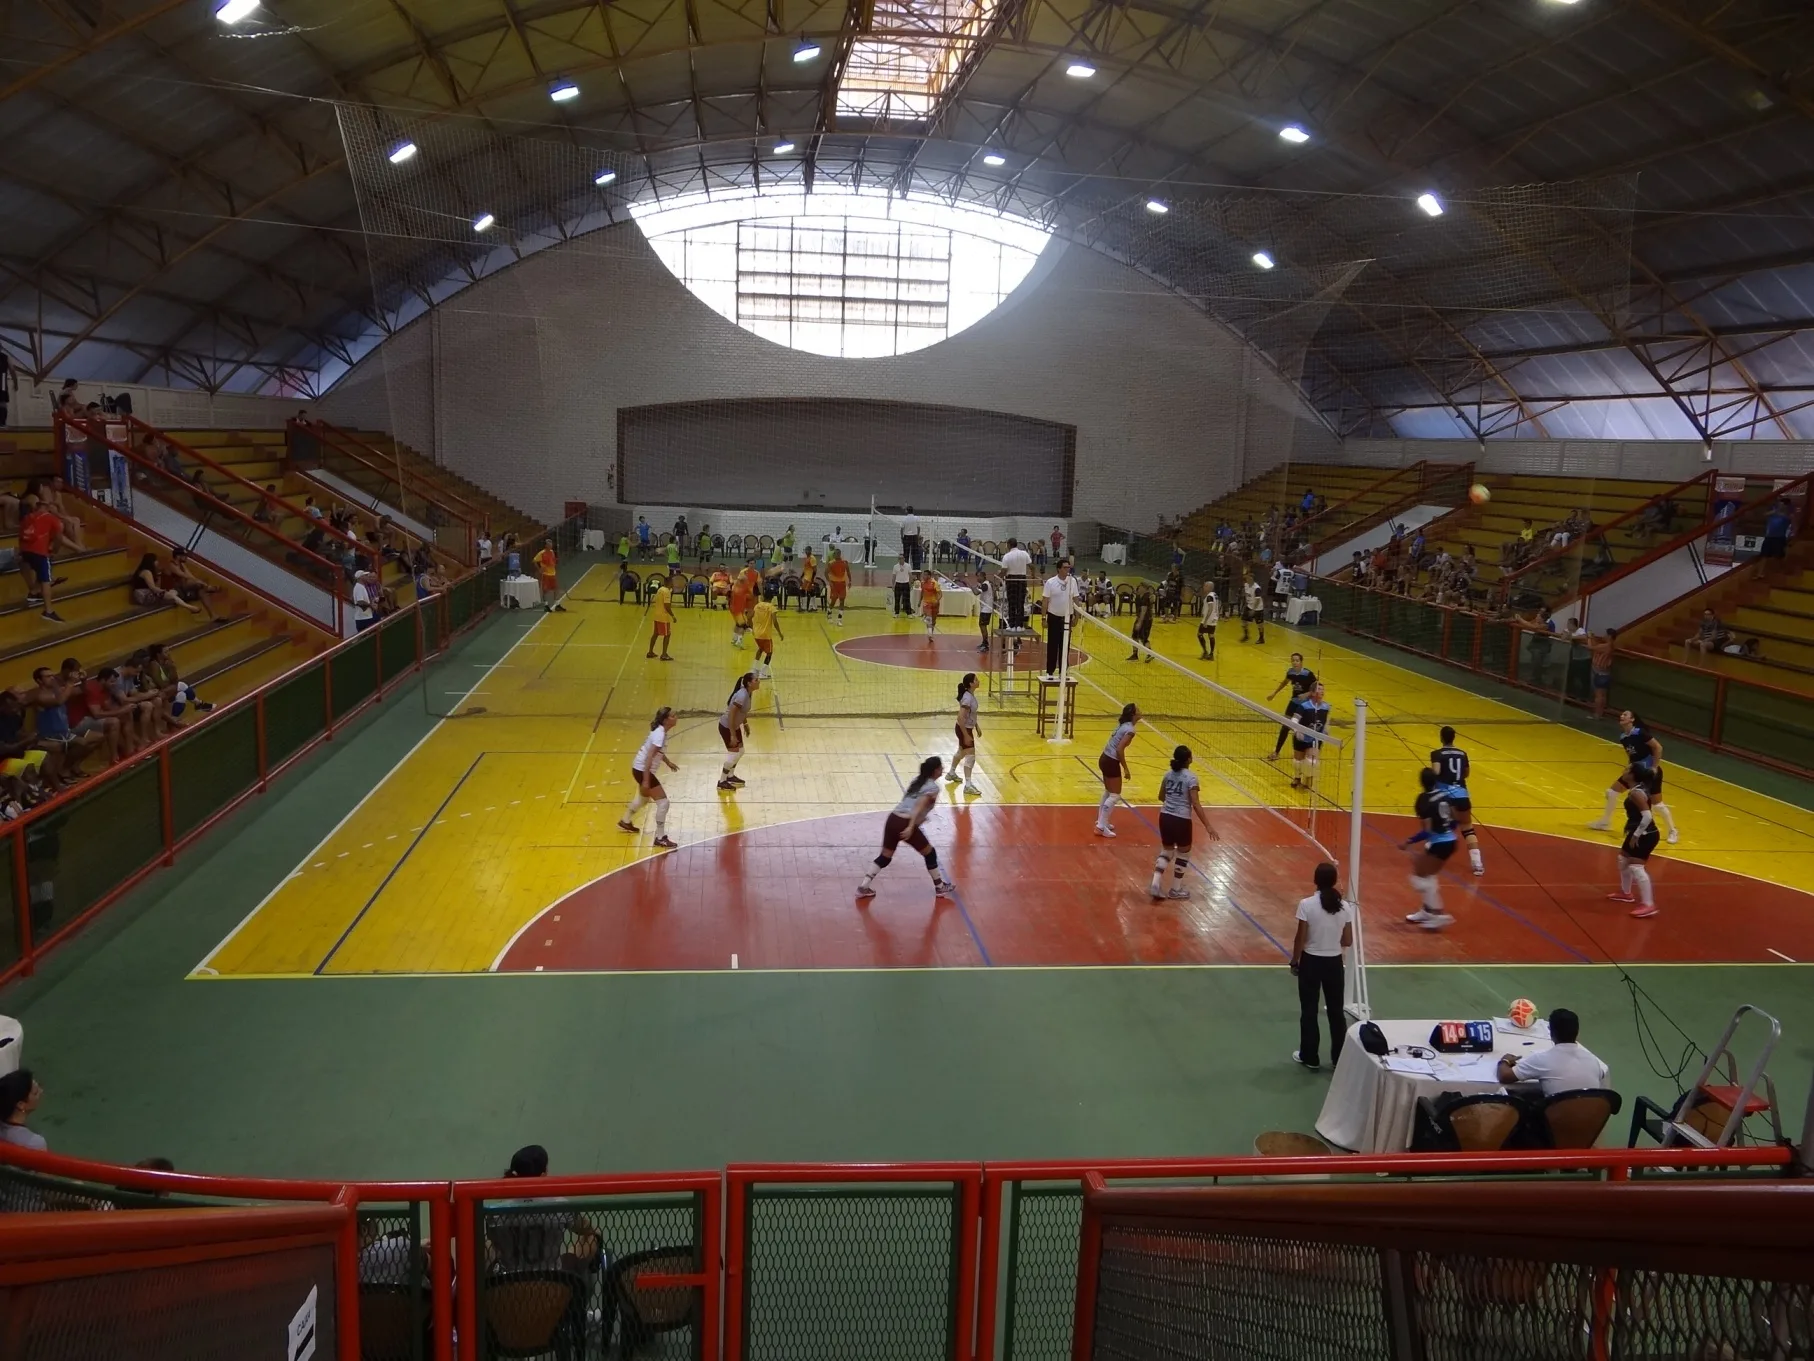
(967, 729)
(1207, 621)
(646, 770)
(903, 824)
(1178, 804)
(735, 726)
(1113, 765)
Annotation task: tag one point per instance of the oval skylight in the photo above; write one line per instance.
(856, 276)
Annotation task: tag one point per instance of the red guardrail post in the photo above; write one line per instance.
(346, 1279)
(258, 734)
(736, 1234)
(22, 900)
(1089, 1260)
(440, 1275)
(994, 1193)
(466, 1273)
(166, 807)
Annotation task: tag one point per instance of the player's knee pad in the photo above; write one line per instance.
(1423, 883)
(931, 860)
(1180, 864)
(882, 861)
(1160, 861)
(661, 807)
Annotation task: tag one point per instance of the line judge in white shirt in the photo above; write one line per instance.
(910, 538)
(1325, 929)
(1566, 1066)
(1060, 596)
(1015, 564)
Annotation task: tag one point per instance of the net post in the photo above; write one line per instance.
(1360, 1005)
(1064, 674)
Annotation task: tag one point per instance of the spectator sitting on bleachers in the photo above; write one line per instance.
(261, 510)
(1709, 637)
(86, 702)
(180, 577)
(148, 588)
(158, 665)
(18, 751)
(132, 688)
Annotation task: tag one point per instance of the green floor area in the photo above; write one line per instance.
(443, 1077)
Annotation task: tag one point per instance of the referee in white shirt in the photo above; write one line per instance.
(1566, 1066)
(1015, 564)
(910, 538)
(1060, 601)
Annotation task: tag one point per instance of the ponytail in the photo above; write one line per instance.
(1128, 711)
(661, 716)
(743, 683)
(1325, 888)
(929, 770)
(963, 685)
(1180, 757)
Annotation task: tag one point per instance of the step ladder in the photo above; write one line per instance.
(1713, 1111)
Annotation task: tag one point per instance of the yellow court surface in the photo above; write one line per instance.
(511, 804)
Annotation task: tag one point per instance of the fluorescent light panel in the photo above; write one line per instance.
(484, 222)
(402, 152)
(993, 159)
(1080, 70)
(1157, 205)
(604, 177)
(563, 90)
(232, 11)
(1262, 259)
(1291, 132)
(807, 52)
(782, 148)
(1430, 204)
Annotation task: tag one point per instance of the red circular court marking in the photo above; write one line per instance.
(941, 652)
(1037, 888)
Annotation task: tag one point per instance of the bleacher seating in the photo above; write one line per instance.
(424, 472)
(1283, 487)
(1778, 613)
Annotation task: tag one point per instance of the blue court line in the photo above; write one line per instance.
(1198, 869)
(410, 850)
(1511, 912)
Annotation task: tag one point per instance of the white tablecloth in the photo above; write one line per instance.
(1370, 1108)
(593, 540)
(1114, 553)
(958, 600)
(1300, 605)
(12, 1045)
(519, 592)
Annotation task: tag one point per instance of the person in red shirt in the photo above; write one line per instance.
(38, 530)
(86, 707)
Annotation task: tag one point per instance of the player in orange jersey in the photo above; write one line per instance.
(929, 598)
(550, 581)
(743, 597)
(837, 584)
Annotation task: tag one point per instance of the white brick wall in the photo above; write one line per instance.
(533, 364)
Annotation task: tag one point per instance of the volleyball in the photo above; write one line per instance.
(1522, 1013)
(1478, 494)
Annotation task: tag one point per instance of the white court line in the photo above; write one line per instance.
(1779, 954)
(334, 831)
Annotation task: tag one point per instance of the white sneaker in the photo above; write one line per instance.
(1419, 917)
(953, 778)
(1599, 826)
(1480, 869)
(971, 789)
(1104, 831)
(1297, 1058)
(866, 890)
(1437, 922)
(943, 888)
(1156, 894)
(1181, 894)
(1674, 837)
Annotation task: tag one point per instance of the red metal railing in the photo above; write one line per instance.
(318, 573)
(1576, 547)
(456, 1248)
(1323, 528)
(412, 617)
(435, 503)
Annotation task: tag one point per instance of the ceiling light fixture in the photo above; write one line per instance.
(807, 51)
(402, 152)
(484, 222)
(993, 159)
(1157, 205)
(1262, 259)
(1292, 133)
(604, 177)
(1430, 204)
(1080, 70)
(232, 11)
(782, 148)
(563, 90)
